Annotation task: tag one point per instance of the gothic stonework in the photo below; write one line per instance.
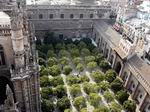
(19, 77)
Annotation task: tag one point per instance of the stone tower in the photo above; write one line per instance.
(19, 77)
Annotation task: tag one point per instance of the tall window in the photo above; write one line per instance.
(51, 16)
(81, 15)
(40, 16)
(71, 16)
(2, 58)
(62, 16)
(91, 15)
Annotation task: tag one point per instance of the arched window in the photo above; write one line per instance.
(111, 59)
(118, 67)
(2, 58)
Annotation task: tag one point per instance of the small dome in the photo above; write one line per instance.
(4, 19)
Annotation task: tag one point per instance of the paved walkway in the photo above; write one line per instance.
(68, 93)
(89, 107)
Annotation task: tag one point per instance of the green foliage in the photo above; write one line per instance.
(41, 55)
(60, 46)
(104, 65)
(67, 69)
(79, 102)
(56, 81)
(54, 70)
(60, 91)
(80, 67)
(46, 92)
(108, 96)
(91, 65)
(44, 71)
(115, 107)
(97, 76)
(122, 96)
(64, 60)
(73, 80)
(71, 46)
(83, 110)
(52, 61)
(95, 51)
(117, 85)
(44, 48)
(110, 75)
(89, 59)
(75, 90)
(75, 52)
(47, 106)
(103, 86)
(76, 60)
(67, 110)
(82, 45)
(89, 88)
(85, 52)
(99, 57)
(94, 99)
(51, 54)
(84, 78)
(44, 81)
(63, 103)
(130, 106)
(101, 109)
(63, 53)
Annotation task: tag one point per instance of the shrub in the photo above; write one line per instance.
(80, 67)
(108, 96)
(77, 60)
(122, 96)
(116, 85)
(94, 99)
(67, 69)
(130, 106)
(79, 102)
(92, 65)
(97, 76)
(110, 75)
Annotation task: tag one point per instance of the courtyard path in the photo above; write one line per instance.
(68, 93)
(89, 107)
(88, 75)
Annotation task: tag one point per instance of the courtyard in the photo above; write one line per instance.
(76, 77)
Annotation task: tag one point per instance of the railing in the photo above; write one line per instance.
(67, 7)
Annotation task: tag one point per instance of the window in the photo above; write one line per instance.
(2, 58)
(71, 16)
(81, 15)
(62, 16)
(133, 85)
(141, 96)
(51, 16)
(91, 15)
(40, 16)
